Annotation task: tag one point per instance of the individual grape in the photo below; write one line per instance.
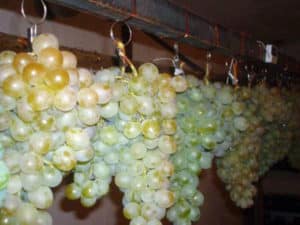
(69, 60)
(179, 83)
(41, 198)
(57, 79)
(65, 99)
(43, 41)
(26, 214)
(167, 144)
(107, 75)
(40, 142)
(169, 126)
(85, 77)
(14, 86)
(84, 155)
(128, 105)
(24, 111)
(101, 170)
(151, 129)
(145, 105)
(109, 110)
(149, 71)
(87, 97)
(51, 176)
(14, 184)
(166, 94)
(89, 116)
(34, 74)
(132, 129)
(11, 204)
(7, 57)
(138, 85)
(103, 91)
(40, 98)
(88, 202)
(89, 189)
(77, 138)
(31, 181)
(168, 110)
(123, 180)
(109, 135)
(131, 210)
(73, 191)
(44, 122)
(21, 60)
(31, 162)
(64, 158)
(50, 57)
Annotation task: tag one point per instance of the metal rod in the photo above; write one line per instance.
(162, 18)
(182, 57)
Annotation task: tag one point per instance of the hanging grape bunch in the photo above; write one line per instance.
(275, 113)
(200, 133)
(294, 153)
(47, 113)
(147, 119)
(133, 143)
(238, 168)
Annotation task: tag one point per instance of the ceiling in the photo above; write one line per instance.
(273, 21)
(270, 20)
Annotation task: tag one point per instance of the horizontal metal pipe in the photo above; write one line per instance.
(162, 18)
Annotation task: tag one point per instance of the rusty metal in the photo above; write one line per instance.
(163, 18)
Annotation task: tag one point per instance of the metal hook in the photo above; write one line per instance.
(120, 46)
(31, 21)
(112, 34)
(250, 77)
(162, 59)
(208, 68)
(175, 61)
(230, 74)
(32, 30)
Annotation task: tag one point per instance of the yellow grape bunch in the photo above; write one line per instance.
(48, 108)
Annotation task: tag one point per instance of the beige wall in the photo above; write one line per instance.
(218, 209)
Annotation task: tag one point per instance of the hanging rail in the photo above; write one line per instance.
(164, 19)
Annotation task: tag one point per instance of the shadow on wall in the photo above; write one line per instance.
(107, 210)
(217, 209)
